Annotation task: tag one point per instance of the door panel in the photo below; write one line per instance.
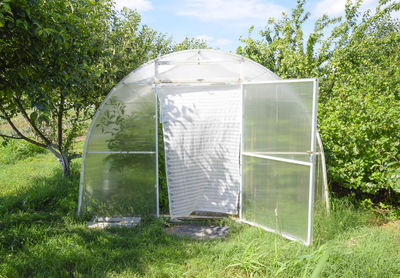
(277, 156)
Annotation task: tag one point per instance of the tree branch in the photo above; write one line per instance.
(19, 132)
(41, 135)
(75, 155)
(8, 136)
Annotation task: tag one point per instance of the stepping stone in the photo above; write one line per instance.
(198, 232)
(105, 222)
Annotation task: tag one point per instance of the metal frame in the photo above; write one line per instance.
(312, 157)
(156, 127)
(241, 156)
(122, 152)
(156, 84)
(265, 155)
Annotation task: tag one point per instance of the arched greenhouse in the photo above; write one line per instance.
(237, 140)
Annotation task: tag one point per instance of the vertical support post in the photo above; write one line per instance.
(156, 126)
(324, 174)
(241, 156)
(81, 181)
(312, 158)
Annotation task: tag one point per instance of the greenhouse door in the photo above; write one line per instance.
(278, 156)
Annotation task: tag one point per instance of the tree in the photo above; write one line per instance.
(357, 64)
(50, 55)
(58, 59)
(359, 116)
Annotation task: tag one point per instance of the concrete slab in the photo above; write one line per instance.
(198, 232)
(105, 222)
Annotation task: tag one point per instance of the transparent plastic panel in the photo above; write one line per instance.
(275, 195)
(120, 185)
(202, 71)
(143, 74)
(278, 119)
(126, 121)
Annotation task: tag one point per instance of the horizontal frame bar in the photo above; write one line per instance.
(287, 236)
(238, 61)
(292, 161)
(268, 153)
(179, 82)
(281, 81)
(122, 152)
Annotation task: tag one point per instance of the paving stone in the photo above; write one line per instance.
(198, 232)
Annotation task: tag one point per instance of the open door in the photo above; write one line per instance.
(278, 156)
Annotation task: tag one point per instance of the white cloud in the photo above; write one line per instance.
(222, 42)
(211, 10)
(140, 5)
(336, 7)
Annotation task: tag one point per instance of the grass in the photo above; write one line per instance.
(41, 237)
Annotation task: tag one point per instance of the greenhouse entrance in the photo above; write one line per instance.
(237, 140)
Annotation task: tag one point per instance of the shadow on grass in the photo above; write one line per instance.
(41, 236)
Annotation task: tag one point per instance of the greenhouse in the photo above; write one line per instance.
(236, 138)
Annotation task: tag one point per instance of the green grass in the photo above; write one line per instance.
(41, 237)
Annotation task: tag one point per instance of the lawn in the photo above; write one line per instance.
(40, 236)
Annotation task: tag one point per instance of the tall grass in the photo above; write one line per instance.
(41, 237)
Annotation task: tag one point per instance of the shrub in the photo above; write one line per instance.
(14, 150)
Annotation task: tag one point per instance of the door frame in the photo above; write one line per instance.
(311, 164)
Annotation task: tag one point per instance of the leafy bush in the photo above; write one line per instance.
(359, 102)
(14, 150)
(359, 119)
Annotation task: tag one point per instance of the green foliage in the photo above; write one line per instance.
(60, 58)
(51, 55)
(356, 59)
(359, 117)
(189, 43)
(12, 151)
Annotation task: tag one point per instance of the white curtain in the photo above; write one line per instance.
(202, 128)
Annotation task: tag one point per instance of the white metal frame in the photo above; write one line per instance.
(156, 62)
(324, 174)
(156, 83)
(310, 164)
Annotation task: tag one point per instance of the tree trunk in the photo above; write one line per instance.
(65, 165)
(64, 161)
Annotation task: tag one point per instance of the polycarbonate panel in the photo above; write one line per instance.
(126, 121)
(201, 71)
(143, 74)
(120, 184)
(275, 195)
(278, 119)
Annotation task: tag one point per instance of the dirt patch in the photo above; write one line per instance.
(393, 226)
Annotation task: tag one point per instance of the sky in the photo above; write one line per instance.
(222, 22)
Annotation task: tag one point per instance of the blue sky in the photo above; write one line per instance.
(222, 22)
